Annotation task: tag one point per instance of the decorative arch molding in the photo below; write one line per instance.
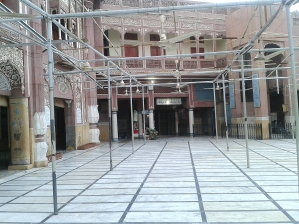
(4, 83)
(278, 43)
(111, 27)
(12, 75)
(132, 29)
(71, 80)
(151, 31)
(14, 55)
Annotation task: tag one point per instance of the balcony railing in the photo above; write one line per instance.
(169, 64)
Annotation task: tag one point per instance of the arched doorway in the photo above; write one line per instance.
(4, 136)
(275, 88)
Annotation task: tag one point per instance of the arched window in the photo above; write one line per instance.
(55, 30)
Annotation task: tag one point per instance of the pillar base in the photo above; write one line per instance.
(41, 163)
(20, 167)
(115, 140)
(191, 135)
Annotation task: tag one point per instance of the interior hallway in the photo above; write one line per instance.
(168, 180)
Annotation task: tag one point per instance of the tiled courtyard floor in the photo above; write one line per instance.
(169, 180)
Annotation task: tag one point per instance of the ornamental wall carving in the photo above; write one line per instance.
(73, 80)
(111, 20)
(15, 56)
(8, 34)
(111, 2)
(205, 26)
(131, 3)
(11, 73)
(132, 21)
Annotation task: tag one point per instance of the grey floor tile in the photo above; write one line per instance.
(28, 208)
(6, 199)
(219, 189)
(234, 197)
(40, 200)
(165, 206)
(104, 198)
(116, 191)
(247, 216)
(12, 193)
(170, 217)
(95, 207)
(11, 217)
(238, 206)
(285, 196)
(49, 193)
(294, 214)
(85, 217)
(168, 190)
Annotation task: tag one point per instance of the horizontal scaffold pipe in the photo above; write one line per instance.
(215, 72)
(192, 82)
(187, 55)
(165, 9)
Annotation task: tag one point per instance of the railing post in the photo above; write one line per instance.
(237, 131)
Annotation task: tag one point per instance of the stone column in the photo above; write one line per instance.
(93, 118)
(114, 126)
(151, 119)
(40, 145)
(191, 122)
(19, 132)
(176, 114)
(91, 94)
(140, 125)
(262, 111)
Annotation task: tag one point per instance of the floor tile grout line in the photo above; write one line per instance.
(285, 150)
(8, 202)
(200, 202)
(270, 159)
(47, 181)
(259, 187)
(124, 215)
(38, 169)
(92, 182)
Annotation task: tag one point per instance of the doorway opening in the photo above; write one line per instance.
(60, 128)
(4, 139)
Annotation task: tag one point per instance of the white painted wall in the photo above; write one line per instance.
(115, 38)
(186, 48)
(221, 45)
(208, 46)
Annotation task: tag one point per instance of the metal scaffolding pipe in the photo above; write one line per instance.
(245, 110)
(225, 112)
(187, 55)
(163, 9)
(215, 112)
(250, 43)
(109, 115)
(294, 82)
(52, 116)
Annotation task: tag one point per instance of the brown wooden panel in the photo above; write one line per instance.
(131, 51)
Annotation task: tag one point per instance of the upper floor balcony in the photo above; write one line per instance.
(169, 64)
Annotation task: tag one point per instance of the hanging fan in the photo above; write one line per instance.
(178, 91)
(260, 57)
(217, 87)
